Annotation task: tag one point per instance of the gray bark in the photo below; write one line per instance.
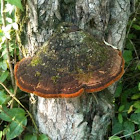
(86, 117)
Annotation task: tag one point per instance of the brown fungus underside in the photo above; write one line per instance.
(71, 62)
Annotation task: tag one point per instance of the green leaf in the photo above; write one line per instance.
(3, 65)
(30, 137)
(14, 114)
(137, 111)
(129, 128)
(137, 137)
(3, 97)
(137, 27)
(114, 138)
(127, 55)
(17, 3)
(17, 119)
(129, 45)
(120, 118)
(138, 66)
(118, 90)
(139, 86)
(43, 137)
(116, 127)
(135, 96)
(121, 108)
(5, 130)
(4, 76)
(130, 109)
(137, 104)
(4, 53)
(0, 135)
(4, 115)
(16, 128)
(135, 118)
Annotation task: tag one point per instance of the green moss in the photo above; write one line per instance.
(35, 61)
(90, 41)
(55, 78)
(37, 74)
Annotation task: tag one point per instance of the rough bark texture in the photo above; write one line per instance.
(86, 117)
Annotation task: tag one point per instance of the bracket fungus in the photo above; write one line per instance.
(71, 62)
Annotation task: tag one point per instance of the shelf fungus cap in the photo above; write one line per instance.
(71, 62)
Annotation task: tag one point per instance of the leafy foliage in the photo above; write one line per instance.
(17, 121)
(17, 3)
(13, 114)
(126, 124)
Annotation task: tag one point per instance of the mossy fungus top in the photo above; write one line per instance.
(70, 62)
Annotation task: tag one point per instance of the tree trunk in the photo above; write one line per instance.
(86, 117)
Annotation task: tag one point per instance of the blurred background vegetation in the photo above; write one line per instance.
(126, 123)
(14, 113)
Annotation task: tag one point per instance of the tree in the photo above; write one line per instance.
(87, 116)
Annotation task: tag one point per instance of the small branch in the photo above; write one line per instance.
(15, 87)
(134, 49)
(132, 20)
(135, 132)
(7, 43)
